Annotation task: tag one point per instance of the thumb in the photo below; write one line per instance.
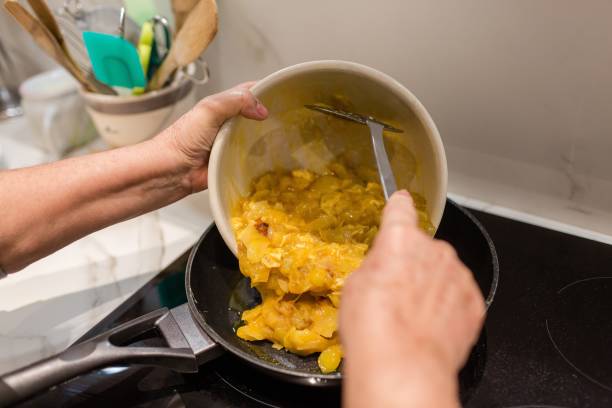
(398, 224)
(222, 106)
(399, 211)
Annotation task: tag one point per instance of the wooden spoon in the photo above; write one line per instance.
(44, 34)
(181, 9)
(196, 34)
(46, 17)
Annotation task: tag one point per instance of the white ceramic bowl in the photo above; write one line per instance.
(244, 149)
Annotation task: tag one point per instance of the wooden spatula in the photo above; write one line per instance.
(196, 34)
(181, 9)
(46, 17)
(47, 40)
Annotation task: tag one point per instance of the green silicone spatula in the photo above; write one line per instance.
(114, 60)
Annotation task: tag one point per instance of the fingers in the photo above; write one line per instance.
(398, 224)
(399, 211)
(238, 100)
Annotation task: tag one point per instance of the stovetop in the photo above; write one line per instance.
(546, 342)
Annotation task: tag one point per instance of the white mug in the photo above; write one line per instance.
(56, 112)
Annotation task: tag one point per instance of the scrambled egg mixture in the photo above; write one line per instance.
(299, 235)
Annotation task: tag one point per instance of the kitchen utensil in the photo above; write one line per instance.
(41, 10)
(153, 44)
(74, 19)
(131, 119)
(115, 61)
(203, 328)
(45, 16)
(296, 137)
(180, 10)
(146, 44)
(101, 18)
(45, 40)
(196, 34)
(376, 127)
(162, 42)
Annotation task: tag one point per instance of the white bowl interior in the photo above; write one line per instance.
(295, 137)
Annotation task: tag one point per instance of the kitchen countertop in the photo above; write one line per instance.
(54, 301)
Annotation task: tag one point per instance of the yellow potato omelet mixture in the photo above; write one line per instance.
(299, 235)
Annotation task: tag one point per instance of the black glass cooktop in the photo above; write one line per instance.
(547, 341)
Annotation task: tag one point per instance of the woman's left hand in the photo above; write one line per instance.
(192, 136)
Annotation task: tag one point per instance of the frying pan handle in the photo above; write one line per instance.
(105, 349)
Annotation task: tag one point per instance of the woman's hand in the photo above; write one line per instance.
(409, 317)
(191, 137)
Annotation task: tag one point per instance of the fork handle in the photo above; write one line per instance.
(382, 160)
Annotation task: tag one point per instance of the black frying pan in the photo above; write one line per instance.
(205, 327)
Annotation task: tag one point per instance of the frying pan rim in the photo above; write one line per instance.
(490, 244)
(327, 378)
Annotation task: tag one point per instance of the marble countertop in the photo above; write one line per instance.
(54, 301)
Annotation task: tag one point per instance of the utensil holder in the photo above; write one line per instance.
(126, 120)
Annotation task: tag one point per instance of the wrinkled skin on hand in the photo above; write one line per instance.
(409, 317)
(192, 136)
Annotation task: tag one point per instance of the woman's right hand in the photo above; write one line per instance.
(409, 317)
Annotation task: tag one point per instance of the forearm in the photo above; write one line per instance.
(46, 207)
(388, 379)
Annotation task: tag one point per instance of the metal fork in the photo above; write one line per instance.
(387, 180)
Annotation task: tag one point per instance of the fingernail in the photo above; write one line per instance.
(260, 108)
(404, 193)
